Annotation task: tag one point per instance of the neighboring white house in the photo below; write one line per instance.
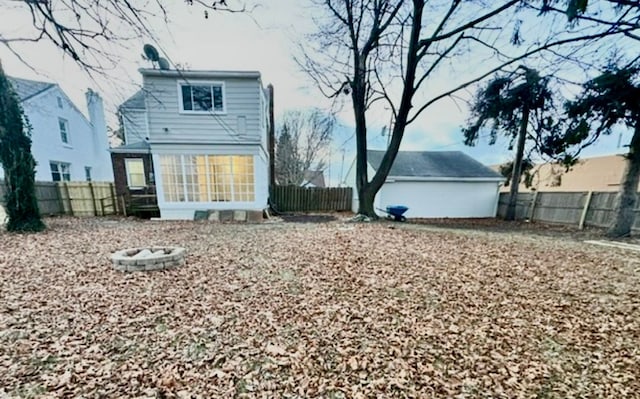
(207, 135)
(435, 184)
(65, 143)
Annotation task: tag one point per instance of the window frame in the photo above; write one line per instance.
(65, 122)
(127, 173)
(209, 83)
(237, 189)
(59, 165)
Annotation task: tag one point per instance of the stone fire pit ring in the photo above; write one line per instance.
(148, 258)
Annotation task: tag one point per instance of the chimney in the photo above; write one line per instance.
(99, 127)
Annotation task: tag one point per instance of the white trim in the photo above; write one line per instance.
(126, 171)
(199, 74)
(392, 179)
(210, 83)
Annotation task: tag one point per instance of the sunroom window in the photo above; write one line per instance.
(208, 178)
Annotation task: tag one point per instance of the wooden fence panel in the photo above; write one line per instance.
(564, 208)
(567, 208)
(73, 198)
(47, 195)
(311, 199)
(523, 205)
(600, 213)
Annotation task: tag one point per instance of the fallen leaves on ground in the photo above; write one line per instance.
(327, 310)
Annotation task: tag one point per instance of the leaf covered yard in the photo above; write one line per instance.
(326, 310)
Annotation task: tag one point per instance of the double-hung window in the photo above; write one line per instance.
(63, 125)
(60, 171)
(202, 98)
(135, 173)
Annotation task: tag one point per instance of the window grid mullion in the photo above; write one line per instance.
(232, 180)
(206, 173)
(184, 179)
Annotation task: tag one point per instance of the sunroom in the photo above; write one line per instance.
(189, 182)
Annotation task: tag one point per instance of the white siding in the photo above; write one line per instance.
(84, 149)
(168, 125)
(462, 199)
(135, 125)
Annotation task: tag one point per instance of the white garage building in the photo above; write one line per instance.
(435, 184)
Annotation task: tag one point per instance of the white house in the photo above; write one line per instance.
(65, 143)
(206, 132)
(435, 184)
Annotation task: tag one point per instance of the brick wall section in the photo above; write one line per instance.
(120, 173)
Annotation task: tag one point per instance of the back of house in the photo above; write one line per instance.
(205, 133)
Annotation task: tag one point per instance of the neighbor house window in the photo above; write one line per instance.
(63, 124)
(135, 173)
(87, 173)
(60, 171)
(202, 97)
(208, 178)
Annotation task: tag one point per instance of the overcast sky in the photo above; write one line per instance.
(264, 41)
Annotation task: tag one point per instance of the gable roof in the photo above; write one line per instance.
(439, 165)
(25, 88)
(136, 101)
(314, 177)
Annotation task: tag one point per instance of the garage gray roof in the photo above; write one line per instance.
(434, 164)
(25, 88)
(136, 101)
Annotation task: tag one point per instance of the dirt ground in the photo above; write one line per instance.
(318, 310)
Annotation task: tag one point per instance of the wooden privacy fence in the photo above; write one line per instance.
(580, 209)
(310, 199)
(73, 198)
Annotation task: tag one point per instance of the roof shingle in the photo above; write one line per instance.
(136, 101)
(435, 164)
(25, 88)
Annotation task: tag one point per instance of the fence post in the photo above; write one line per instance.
(124, 206)
(585, 209)
(532, 208)
(114, 198)
(93, 199)
(66, 186)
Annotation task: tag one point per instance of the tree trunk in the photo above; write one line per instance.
(369, 190)
(365, 203)
(628, 196)
(517, 166)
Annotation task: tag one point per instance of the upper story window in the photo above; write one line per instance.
(59, 102)
(202, 98)
(63, 124)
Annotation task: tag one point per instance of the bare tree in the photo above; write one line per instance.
(389, 50)
(303, 138)
(85, 29)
